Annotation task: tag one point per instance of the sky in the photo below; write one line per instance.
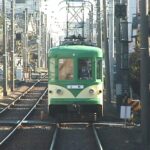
(56, 16)
(56, 10)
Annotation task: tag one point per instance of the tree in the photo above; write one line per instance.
(134, 72)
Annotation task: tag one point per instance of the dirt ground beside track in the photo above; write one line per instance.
(119, 138)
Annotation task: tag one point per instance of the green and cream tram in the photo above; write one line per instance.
(75, 79)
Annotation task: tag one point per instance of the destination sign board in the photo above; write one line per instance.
(74, 0)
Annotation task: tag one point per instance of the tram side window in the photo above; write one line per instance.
(52, 69)
(99, 69)
(65, 69)
(85, 69)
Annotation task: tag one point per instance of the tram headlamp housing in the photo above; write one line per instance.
(100, 91)
(91, 91)
(59, 91)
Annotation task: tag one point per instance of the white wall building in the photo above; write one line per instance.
(31, 5)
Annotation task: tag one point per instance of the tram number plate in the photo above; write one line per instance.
(75, 86)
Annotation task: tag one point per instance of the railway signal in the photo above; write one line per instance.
(120, 10)
(18, 36)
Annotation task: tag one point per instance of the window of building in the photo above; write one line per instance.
(85, 69)
(65, 69)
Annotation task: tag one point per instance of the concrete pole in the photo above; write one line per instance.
(145, 97)
(49, 41)
(92, 13)
(89, 26)
(124, 55)
(25, 51)
(91, 23)
(106, 49)
(83, 19)
(5, 77)
(98, 27)
(67, 23)
(39, 39)
(12, 45)
(42, 60)
(46, 44)
(118, 63)
(111, 45)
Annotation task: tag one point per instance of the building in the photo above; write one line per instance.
(31, 5)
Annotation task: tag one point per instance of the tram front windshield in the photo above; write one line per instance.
(65, 69)
(84, 69)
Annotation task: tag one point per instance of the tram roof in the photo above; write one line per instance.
(83, 50)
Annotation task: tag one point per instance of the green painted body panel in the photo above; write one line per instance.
(66, 101)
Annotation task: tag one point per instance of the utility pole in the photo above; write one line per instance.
(124, 51)
(108, 88)
(67, 23)
(98, 27)
(90, 22)
(118, 62)
(42, 40)
(46, 44)
(12, 46)
(91, 25)
(25, 51)
(111, 45)
(145, 97)
(90, 34)
(83, 20)
(39, 39)
(4, 51)
(89, 28)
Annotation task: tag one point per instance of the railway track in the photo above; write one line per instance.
(65, 136)
(5, 107)
(22, 107)
(75, 136)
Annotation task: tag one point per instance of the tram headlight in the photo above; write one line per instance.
(59, 91)
(91, 91)
(100, 91)
(50, 92)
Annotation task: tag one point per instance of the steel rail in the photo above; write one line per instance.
(18, 98)
(97, 138)
(97, 123)
(26, 122)
(94, 131)
(54, 139)
(120, 124)
(21, 121)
